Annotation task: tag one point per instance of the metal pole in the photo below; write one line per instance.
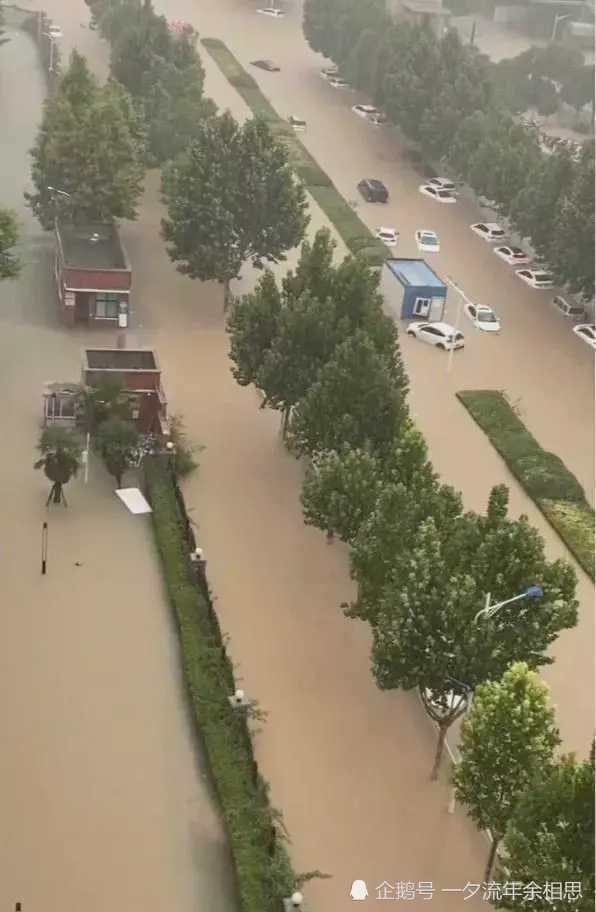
(87, 445)
(51, 55)
(44, 548)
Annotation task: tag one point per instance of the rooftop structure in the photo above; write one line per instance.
(414, 272)
(91, 246)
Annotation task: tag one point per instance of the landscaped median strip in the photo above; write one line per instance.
(543, 475)
(263, 868)
(356, 235)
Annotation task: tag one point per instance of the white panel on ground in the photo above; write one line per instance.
(134, 500)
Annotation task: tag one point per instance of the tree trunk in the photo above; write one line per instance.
(491, 858)
(439, 752)
(227, 294)
(285, 420)
(57, 492)
(119, 480)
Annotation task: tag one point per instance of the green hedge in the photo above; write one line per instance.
(544, 476)
(355, 234)
(263, 869)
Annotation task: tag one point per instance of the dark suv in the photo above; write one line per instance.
(373, 191)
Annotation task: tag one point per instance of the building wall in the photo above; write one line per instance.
(103, 279)
(133, 381)
(412, 293)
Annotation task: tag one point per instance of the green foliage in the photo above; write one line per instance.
(106, 400)
(185, 461)
(10, 265)
(544, 476)
(61, 454)
(571, 253)
(263, 878)
(578, 88)
(550, 836)
(90, 145)
(117, 440)
(355, 401)
(231, 198)
(507, 743)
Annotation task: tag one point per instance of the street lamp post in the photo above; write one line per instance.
(52, 39)
(461, 299)
(556, 24)
(532, 592)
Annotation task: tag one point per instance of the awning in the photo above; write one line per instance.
(134, 500)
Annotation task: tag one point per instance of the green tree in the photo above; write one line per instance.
(253, 325)
(320, 22)
(356, 401)
(89, 145)
(10, 265)
(60, 459)
(231, 197)
(571, 252)
(3, 38)
(341, 489)
(550, 836)
(578, 88)
(117, 441)
(507, 742)
(137, 48)
(534, 209)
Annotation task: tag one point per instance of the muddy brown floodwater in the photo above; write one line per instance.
(348, 765)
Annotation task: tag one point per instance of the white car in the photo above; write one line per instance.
(427, 241)
(515, 256)
(272, 11)
(389, 236)
(338, 83)
(441, 335)
(297, 124)
(442, 183)
(329, 71)
(587, 332)
(483, 317)
(55, 32)
(365, 111)
(489, 231)
(378, 119)
(441, 196)
(536, 278)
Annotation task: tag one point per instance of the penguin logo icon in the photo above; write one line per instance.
(359, 891)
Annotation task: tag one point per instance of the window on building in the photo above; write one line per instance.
(106, 305)
(422, 307)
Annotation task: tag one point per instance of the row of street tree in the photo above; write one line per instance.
(319, 349)
(442, 96)
(9, 262)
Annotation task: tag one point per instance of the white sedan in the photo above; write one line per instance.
(443, 183)
(271, 11)
(441, 335)
(441, 196)
(55, 32)
(329, 71)
(515, 256)
(536, 278)
(389, 236)
(337, 82)
(489, 231)
(365, 111)
(483, 317)
(427, 241)
(587, 332)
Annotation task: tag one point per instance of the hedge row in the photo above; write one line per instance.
(544, 476)
(264, 872)
(356, 235)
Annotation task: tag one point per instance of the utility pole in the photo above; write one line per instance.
(44, 557)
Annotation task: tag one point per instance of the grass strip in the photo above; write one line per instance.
(263, 869)
(355, 234)
(543, 475)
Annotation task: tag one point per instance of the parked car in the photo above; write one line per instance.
(373, 191)
(427, 241)
(587, 332)
(569, 308)
(326, 72)
(378, 119)
(489, 231)
(515, 256)
(536, 278)
(297, 123)
(483, 317)
(441, 196)
(441, 335)
(338, 83)
(365, 111)
(266, 65)
(443, 183)
(389, 236)
(55, 32)
(271, 11)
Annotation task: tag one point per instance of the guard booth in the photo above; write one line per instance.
(412, 290)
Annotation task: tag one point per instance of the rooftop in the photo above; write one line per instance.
(91, 246)
(414, 272)
(120, 359)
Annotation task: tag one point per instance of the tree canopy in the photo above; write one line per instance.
(90, 146)
(10, 265)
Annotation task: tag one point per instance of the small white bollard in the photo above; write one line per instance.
(240, 702)
(294, 902)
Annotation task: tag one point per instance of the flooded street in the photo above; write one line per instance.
(348, 764)
(103, 788)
